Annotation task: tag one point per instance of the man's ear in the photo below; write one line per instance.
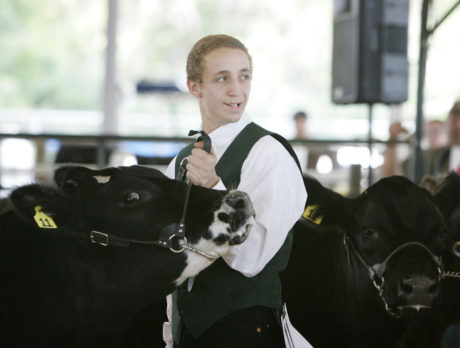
(194, 88)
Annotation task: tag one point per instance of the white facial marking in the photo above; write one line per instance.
(102, 179)
(416, 307)
(195, 262)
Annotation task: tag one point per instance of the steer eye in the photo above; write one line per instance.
(443, 232)
(70, 185)
(369, 233)
(131, 197)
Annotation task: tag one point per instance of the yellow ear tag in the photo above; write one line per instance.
(310, 214)
(43, 220)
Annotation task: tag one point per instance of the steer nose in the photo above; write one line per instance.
(418, 290)
(240, 203)
(237, 201)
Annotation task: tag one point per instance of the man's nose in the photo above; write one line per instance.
(234, 88)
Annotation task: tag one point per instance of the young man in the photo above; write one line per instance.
(233, 302)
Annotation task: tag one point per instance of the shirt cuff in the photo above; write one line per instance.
(219, 186)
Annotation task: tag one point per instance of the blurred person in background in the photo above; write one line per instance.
(301, 133)
(300, 121)
(396, 156)
(436, 134)
(440, 138)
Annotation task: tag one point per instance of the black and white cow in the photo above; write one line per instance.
(361, 269)
(59, 289)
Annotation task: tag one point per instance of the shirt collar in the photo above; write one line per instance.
(224, 135)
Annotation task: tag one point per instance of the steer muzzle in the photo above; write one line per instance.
(239, 213)
(418, 292)
(412, 281)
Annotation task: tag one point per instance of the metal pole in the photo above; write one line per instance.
(417, 166)
(369, 143)
(111, 92)
(355, 180)
(447, 14)
(100, 154)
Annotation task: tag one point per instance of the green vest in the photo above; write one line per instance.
(219, 290)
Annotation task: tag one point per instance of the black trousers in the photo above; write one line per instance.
(254, 327)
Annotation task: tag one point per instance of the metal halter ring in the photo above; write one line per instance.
(182, 247)
(456, 248)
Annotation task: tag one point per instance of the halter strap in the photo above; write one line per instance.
(173, 235)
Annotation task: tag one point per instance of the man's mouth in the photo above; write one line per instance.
(233, 105)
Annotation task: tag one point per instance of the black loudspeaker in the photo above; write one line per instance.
(369, 54)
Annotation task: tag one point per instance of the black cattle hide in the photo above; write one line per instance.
(60, 290)
(329, 293)
(428, 332)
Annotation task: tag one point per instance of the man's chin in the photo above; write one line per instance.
(233, 116)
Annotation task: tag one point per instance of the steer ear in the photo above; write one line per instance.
(62, 174)
(447, 194)
(36, 201)
(430, 183)
(71, 178)
(324, 206)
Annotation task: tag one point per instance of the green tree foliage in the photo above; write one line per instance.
(51, 53)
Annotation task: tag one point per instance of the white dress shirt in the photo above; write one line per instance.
(272, 180)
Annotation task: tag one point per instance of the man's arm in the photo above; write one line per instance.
(274, 183)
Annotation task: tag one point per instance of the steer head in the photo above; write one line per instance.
(137, 204)
(393, 236)
(145, 202)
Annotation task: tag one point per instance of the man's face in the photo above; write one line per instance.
(225, 87)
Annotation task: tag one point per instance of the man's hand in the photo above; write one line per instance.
(201, 167)
(396, 130)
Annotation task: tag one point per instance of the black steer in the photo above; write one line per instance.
(428, 332)
(58, 289)
(361, 269)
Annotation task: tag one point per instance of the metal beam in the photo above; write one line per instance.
(425, 32)
(417, 165)
(443, 18)
(111, 90)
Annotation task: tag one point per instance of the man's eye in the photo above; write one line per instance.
(245, 77)
(222, 79)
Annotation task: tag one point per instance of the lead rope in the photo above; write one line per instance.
(450, 274)
(182, 176)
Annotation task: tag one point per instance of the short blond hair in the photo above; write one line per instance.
(204, 46)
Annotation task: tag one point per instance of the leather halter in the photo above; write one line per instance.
(172, 236)
(376, 272)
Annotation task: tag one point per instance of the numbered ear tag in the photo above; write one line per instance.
(310, 214)
(43, 220)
